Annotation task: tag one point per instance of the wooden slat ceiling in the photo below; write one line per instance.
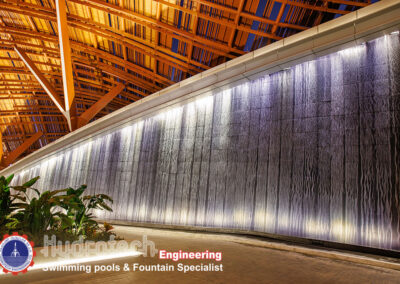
(145, 44)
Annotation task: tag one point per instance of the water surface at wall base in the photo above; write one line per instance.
(312, 151)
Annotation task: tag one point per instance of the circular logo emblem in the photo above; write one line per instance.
(16, 253)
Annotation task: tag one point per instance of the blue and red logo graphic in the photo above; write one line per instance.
(16, 253)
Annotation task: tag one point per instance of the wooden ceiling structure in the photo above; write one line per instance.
(66, 63)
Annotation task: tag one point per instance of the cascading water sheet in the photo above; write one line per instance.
(312, 151)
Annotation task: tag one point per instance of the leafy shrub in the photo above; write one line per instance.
(38, 214)
(65, 213)
(6, 199)
(79, 219)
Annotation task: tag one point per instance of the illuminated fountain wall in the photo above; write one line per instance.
(312, 151)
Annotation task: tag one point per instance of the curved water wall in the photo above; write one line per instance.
(311, 151)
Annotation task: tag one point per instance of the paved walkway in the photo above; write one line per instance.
(242, 263)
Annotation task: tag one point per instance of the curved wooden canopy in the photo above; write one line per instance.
(115, 52)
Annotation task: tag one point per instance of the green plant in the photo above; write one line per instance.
(65, 213)
(6, 199)
(79, 219)
(36, 215)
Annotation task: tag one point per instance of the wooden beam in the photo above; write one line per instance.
(315, 8)
(21, 149)
(194, 29)
(30, 123)
(131, 78)
(157, 41)
(154, 24)
(278, 19)
(52, 53)
(66, 62)
(256, 32)
(348, 2)
(28, 115)
(35, 62)
(105, 55)
(100, 29)
(85, 117)
(41, 79)
(237, 18)
(162, 57)
(227, 23)
(320, 15)
(16, 137)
